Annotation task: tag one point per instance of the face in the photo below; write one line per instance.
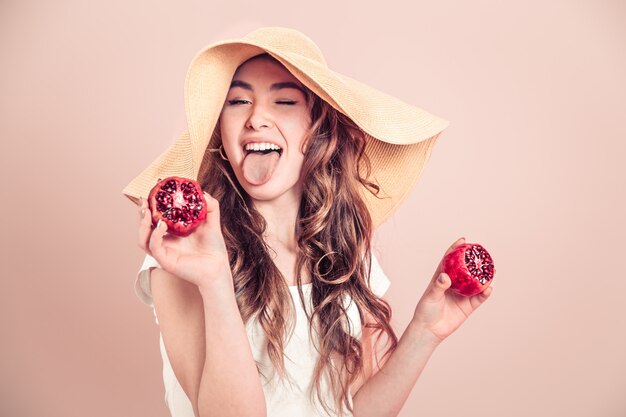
(265, 109)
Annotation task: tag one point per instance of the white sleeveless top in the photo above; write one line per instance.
(282, 399)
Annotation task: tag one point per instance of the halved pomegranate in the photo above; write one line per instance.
(470, 268)
(179, 202)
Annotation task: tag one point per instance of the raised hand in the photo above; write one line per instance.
(200, 258)
(441, 312)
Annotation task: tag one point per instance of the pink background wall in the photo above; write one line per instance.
(532, 166)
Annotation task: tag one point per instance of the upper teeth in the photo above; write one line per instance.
(261, 147)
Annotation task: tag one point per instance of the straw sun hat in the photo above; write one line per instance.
(399, 136)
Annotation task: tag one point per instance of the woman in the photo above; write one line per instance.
(273, 305)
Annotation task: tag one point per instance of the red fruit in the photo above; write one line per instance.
(470, 268)
(179, 202)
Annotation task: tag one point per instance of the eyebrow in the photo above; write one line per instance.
(273, 87)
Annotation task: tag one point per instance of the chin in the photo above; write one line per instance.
(265, 192)
(275, 188)
(272, 190)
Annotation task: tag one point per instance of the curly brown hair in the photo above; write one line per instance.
(333, 232)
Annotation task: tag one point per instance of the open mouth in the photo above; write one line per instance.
(260, 161)
(262, 148)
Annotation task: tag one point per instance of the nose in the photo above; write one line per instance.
(260, 117)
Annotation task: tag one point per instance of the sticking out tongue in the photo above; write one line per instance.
(259, 167)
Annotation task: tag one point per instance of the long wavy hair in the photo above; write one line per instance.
(333, 232)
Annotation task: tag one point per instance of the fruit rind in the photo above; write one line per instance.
(465, 281)
(185, 189)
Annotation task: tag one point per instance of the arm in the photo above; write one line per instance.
(386, 391)
(437, 315)
(230, 384)
(186, 315)
(202, 328)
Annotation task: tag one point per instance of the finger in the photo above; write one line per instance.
(155, 243)
(478, 299)
(145, 226)
(459, 242)
(212, 213)
(437, 288)
(212, 202)
(213, 209)
(439, 269)
(141, 209)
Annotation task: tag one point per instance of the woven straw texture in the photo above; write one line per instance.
(400, 136)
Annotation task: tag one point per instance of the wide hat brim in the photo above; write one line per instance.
(400, 137)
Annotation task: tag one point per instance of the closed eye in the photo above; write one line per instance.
(238, 101)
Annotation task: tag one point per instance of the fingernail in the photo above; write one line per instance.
(143, 212)
(442, 278)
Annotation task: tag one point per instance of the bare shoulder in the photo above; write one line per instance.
(180, 311)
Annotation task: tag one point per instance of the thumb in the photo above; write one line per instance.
(213, 208)
(438, 287)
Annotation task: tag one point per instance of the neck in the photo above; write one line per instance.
(280, 215)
